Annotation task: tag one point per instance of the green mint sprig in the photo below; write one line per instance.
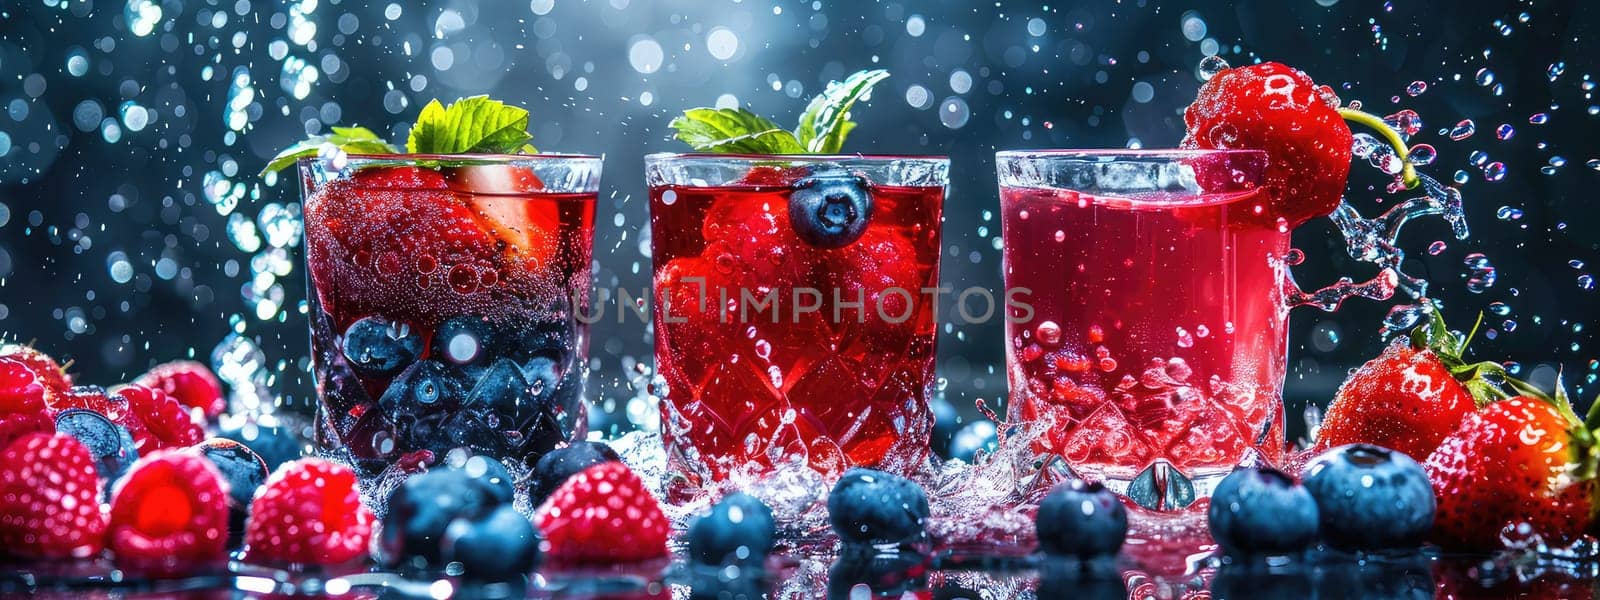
(822, 128)
(475, 125)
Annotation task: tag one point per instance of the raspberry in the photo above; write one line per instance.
(309, 512)
(169, 513)
(51, 373)
(191, 383)
(91, 397)
(50, 499)
(157, 420)
(14, 426)
(22, 389)
(1278, 109)
(603, 514)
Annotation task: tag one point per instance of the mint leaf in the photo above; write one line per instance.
(353, 140)
(733, 130)
(475, 125)
(826, 120)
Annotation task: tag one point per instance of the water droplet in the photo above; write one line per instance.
(1504, 131)
(1478, 158)
(1494, 171)
(1185, 339)
(1436, 247)
(1210, 66)
(1507, 213)
(1422, 155)
(1416, 88)
(1594, 163)
(1539, 118)
(1499, 309)
(1485, 77)
(1048, 333)
(1463, 130)
(1586, 281)
(1555, 70)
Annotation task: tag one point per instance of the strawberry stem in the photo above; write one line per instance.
(1408, 173)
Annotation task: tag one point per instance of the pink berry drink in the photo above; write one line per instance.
(1152, 347)
(837, 370)
(444, 301)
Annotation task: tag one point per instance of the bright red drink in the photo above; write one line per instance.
(444, 292)
(790, 319)
(1156, 335)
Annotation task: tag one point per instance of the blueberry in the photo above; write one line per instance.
(244, 471)
(738, 530)
(492, 475)
(505, 393)
(557, 465)
(1370, 498)
(831, 209)
(946, 422)
(1262, 512)
(464, 340)
(420, 510)
(977, 435)
(378, 347)
(1081, 519)
(460, 430)
(425, 387)
(275, 445)
(551, 338)
(869, 506)
(502, 545)
(110, 444)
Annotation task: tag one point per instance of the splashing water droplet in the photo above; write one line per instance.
(1210, 66)
(1416, 88)
(1478, 158)
(1436, 247)
(1463, 130)
(1504, 131)
(1539, 118)
(1480, 273)
(1494, 171)
(1499, 309)
(1594, 163)
(1485, 77)
(1422, 155)
(1555, 70)
(1507, 213)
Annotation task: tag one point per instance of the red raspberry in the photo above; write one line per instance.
(91, 397)
(50, 499)
(15, 425)
(191, 383)
(1278, 109)
(158, 420)
(309, 512)
(603, 514)
(51, 373)
(22, 389)
(169, 513)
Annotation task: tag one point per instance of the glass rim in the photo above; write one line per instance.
(659, 157)
(1132, 153)
(463, 157)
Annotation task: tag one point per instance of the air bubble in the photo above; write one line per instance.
(1463, 130)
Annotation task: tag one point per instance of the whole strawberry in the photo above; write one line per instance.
(1412, 395)
(309, 512)
(49, 499)
(1280, 110)
(603, 514)
(189, 382)
(1524, 459)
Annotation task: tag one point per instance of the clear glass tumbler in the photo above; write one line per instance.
(1149, 341)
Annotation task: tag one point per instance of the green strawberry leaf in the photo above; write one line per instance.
(470, 125)
(826, 120)
(353, 140)
(733, 130)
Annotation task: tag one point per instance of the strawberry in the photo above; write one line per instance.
(603, 514)
(1278, 109)
(190, 382)
(1524, 459)
(22, 388)
(49, 499)
(51, 373)
(1410, 397)
(169, 513)
(157, 420)
(309, 512)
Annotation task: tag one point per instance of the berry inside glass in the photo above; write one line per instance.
(443, 291)
(1152, 351)
(790, 322)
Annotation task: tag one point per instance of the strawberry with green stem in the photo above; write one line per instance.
(1410, 397)
(1525, 459)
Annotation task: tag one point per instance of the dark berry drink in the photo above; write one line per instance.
(442, 305)
(1156, 334)
(791, 321)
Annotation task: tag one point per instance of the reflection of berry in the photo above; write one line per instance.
(191, 383)
(603, 514)
(49, 499)
(169, 514)
(309, 512)
(377, 347)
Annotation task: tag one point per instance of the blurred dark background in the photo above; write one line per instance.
(133, 228)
